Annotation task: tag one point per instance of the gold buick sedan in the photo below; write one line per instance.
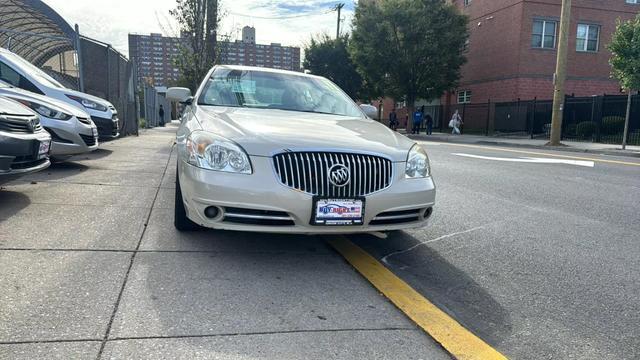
(284, 152)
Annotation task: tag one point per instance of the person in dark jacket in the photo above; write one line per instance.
(161, 113)
(393, 120)
(429, 121)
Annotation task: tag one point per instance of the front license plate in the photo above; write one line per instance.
(43, 150)
(336, 212)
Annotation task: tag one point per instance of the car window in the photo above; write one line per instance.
(261, 89)
(36, 72)
(10, 76)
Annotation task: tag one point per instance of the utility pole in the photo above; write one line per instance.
(626, 120)
(561, 74)
(339, 9)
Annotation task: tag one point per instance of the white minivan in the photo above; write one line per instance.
(21, 73)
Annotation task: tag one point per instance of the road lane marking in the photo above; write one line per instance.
(543, 154)
(458, 341)
(531, 160)
(386, 257)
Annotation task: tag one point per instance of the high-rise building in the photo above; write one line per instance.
(512, 49)
(247, 52)
(154, 58)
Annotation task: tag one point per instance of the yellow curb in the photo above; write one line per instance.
(458, 341)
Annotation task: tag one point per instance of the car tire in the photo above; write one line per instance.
(180, 219)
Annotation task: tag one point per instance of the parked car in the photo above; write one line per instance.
(24, 144)
(278, 151)
(71, 129)
(20, 73)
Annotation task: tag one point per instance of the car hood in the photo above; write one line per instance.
(19, 94)
(10, 107)
(265, 132)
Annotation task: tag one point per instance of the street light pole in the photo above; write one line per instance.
(561, 74)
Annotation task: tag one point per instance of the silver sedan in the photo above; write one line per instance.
(277, 151)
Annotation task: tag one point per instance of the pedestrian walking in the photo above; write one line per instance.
(429, 121)
(161, 113)
(455, 123)
(417, 121)
(393, 120)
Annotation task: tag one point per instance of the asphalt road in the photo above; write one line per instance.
(539, 260)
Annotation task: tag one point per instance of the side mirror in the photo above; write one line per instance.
(179, 94)
(370, 110)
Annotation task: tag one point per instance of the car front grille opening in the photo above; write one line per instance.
(257, 217)
(400, 217)
(313, 173)
(90, 140)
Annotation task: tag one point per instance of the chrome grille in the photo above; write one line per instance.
(20, 124)
(309, 172)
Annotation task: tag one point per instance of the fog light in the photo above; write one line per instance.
(211, 212)
(427, 213)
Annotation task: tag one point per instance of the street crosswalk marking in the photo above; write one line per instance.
(531, 160)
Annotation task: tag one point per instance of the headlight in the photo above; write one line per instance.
(417, 163)
(210, 151)
(47, 111)
(89, 104)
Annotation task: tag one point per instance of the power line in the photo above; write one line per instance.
(282, 17)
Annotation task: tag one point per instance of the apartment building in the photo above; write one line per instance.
(154, 56)
(513, 46)
(247, 52)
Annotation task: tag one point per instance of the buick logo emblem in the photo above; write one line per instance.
(339, 175)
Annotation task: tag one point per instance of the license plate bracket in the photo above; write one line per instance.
(333, 211)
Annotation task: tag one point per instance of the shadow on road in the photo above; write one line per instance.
(447, 286)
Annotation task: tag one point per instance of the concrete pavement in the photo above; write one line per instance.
(526, 142)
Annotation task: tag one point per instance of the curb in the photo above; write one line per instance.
(624, 153)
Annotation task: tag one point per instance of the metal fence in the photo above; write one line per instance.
(151, 109)
(592, 119)
(109, 75)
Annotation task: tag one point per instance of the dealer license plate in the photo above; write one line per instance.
(43, 150)
(94, 131)
(335, 212)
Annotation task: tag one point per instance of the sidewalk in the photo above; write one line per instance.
(572, 146)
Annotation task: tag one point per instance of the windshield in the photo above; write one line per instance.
(268, 90)
(42, 76)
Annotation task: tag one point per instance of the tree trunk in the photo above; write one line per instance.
(411, 107)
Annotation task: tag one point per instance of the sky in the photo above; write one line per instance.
(295, 22)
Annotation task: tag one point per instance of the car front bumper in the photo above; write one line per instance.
(107, 128)
(19, 154)
(72, 139)
(263, 204)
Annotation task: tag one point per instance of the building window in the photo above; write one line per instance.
(544, 34)
(467, 2)
(633, 1)
(588, 37)
(464, 97)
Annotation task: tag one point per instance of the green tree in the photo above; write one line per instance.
(198, 22)
(625, 61)
(330, 58)
(409, 49)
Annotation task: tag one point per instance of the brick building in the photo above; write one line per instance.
(247, 52)
(512, 48)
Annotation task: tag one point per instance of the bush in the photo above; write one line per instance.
(142, 123)
(612, 125)
(586, 129)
